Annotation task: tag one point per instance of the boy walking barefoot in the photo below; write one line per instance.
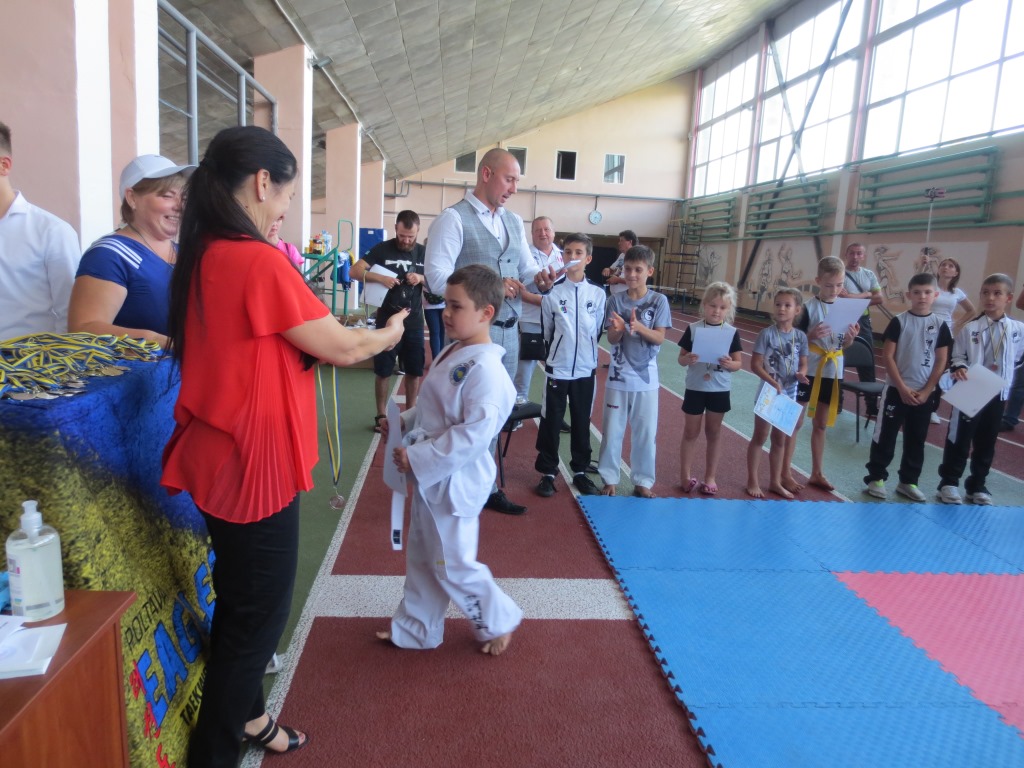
(915, 354)
(779, 358)
(825, 358)
(464, 401)
(637, 321)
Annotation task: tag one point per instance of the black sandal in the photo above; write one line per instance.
(376, 421)
(269, 733)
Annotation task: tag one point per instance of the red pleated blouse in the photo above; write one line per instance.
(245, 440)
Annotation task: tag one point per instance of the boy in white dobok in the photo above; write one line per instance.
(464, 400)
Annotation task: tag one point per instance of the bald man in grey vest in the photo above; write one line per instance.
(479, 230)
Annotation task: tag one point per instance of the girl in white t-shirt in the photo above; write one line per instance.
(950, 296)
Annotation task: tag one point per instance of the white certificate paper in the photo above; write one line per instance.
(374, 293)
(777, 409)
(842, 313)
(711, 344)
(974, 393)
(394, 479)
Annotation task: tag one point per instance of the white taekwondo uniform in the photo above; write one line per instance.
(464, 400)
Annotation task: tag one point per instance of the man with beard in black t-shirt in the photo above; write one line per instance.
(403, 256)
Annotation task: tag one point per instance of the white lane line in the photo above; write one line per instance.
(377, 596)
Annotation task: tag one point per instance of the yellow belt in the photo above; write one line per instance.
(825, 357)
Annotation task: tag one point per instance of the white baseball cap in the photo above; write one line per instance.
(149, 167)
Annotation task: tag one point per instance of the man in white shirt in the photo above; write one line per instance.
(39, 254)
(545, 254)
(479, 230)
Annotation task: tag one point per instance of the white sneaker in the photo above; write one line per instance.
(876, 488)
(950, 494)
(981, 498)
(935, 418)
(276, 665)
(911, 491)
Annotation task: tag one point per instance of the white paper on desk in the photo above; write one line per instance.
(842, 313)
(29, 650)
(9, 624)
(394, 479)
(374, 293)
(777, 409)
(974, 393)
(711, 344)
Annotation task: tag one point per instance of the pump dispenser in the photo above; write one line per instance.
(35, 569)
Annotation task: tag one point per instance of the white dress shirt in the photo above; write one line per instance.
(444, 243)
(39, 255)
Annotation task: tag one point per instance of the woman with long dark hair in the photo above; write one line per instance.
(246, 331)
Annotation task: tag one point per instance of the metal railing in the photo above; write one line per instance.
(187, 54)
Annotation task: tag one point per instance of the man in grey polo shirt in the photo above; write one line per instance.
(479, 230)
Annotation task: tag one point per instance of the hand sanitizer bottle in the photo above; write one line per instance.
(34, 566)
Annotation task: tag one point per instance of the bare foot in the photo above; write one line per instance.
(781, 490)
(608, 490)
(382, 635)
(820, 481)
(755, 491)
(791, 485)
(644, 493)
(497, 646)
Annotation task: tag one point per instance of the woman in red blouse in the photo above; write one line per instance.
(246, 332)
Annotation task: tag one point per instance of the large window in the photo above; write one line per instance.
(725, 121)
(950, 73)
(936, 72)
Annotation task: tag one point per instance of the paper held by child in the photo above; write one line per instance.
(974, 393)
(778, 410)
(842, 313)
(711, 344)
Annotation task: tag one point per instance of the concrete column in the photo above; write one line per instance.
(56, 100)
(344, 171)
(287, 75)
(344, 180)
(134, 86)
(371, 196)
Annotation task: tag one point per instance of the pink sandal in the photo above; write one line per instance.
(688, 488)
(708, 490)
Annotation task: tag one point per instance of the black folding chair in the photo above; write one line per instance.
(527, 410)
(857, 355)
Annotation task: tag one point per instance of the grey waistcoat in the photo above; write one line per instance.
(479, 246)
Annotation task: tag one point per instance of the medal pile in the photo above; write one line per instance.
(45, 366)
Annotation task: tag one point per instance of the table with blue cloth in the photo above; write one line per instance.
(93, 463)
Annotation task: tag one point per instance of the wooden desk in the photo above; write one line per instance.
(74, 715)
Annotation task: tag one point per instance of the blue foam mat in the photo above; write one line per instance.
(860, 737)
(776, 660)
(778, 535)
